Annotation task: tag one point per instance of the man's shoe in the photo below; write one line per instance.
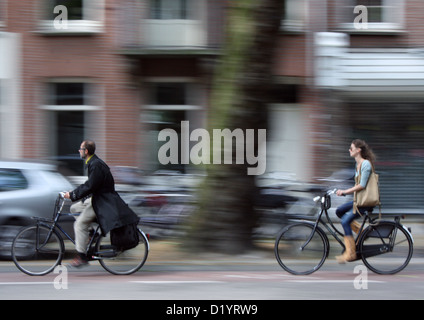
(78, 262)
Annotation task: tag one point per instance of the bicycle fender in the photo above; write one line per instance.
(145, 239)
(408, 232)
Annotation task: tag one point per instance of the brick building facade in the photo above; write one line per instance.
(71, 83)
(124, 70)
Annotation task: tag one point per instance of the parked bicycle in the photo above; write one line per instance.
(39, 248)
(302, 247)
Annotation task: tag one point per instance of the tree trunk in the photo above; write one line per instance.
(226, 217)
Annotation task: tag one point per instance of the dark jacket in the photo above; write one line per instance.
(111, 211)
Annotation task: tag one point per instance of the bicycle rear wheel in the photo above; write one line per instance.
(37, 250)
(299, 250)
(386, 248)
(122, 262)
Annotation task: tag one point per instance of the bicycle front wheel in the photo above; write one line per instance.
(37, 250)
(122, 262)
(300, 250)
(386, 248)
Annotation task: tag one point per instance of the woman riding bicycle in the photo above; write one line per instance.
(364, 158)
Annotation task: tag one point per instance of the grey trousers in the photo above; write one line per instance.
(83, 223)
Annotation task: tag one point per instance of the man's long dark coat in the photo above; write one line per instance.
(111, 211)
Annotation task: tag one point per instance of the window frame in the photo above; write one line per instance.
(158, 10)
(92, 22)
(392, 18)
(88, 90)
(3, 14)
(291, 21)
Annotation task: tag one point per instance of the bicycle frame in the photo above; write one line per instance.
(106, 253)
(374, 237)
(325, 205)
(325, 201)
(54, 224)
(48, 245)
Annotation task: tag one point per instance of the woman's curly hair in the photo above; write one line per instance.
(366, 151)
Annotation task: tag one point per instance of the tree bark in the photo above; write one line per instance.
(225, 218)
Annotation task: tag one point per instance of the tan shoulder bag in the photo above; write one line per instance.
(368, 197)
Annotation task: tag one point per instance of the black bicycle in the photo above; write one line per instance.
(385, 247)
(39, 248)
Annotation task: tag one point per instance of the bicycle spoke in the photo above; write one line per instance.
(383, 254)
(31, 257)
(299, 249)
(125, 262)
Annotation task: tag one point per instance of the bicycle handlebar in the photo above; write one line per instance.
(62, 196)
(322, 198)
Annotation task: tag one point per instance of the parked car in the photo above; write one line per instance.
(27, 189)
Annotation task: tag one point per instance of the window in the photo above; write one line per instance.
(162, 120)
(374, 15)
(294, 15)
(3, 13)
(70, 95)
(1, 116)
(168, 94)
(3, 131)
(72, 17)
(375, 9)
(74, 8)
(69, 132)
(67, 94)
(69, 109)
(168, 9)
(284, 93)
(11, 180)
(171, 101)
(175, 23)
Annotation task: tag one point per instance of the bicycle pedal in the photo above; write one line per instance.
(105, 254)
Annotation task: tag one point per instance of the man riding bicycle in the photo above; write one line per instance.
(105, 203)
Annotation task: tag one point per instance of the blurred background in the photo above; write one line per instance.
(122, 70)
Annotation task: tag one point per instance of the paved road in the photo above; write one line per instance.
(170, 274)
(219, 281)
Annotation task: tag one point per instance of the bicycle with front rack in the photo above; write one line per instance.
(38, 249)
(302, 247)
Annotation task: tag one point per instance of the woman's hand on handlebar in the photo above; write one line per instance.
(341, 193)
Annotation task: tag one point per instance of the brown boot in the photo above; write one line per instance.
(350, 253)
(355, 226)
